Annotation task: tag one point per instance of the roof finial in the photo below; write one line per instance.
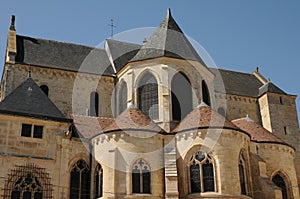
(257, 69)
(202, 103)
(169, 11)
(131, 105)
(112, 26)
(248, 119)
(12, 23)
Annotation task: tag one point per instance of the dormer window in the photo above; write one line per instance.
(29, 130)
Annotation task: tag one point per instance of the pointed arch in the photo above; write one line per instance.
(181, 96)
(243, 174)
(122, 105)
(80, 180)
(201, 173)
(147, 95)
(205, 93)
(28, 181)
(281, 180)
(94, 104)
(141, 177)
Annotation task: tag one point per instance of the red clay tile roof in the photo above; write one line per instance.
(88, 126)
(204, 117)
(257, 132)
(133, 118)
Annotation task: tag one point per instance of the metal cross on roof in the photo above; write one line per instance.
(112, 26)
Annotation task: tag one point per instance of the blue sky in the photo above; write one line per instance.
(238, 34)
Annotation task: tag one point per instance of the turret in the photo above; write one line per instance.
(11, 48)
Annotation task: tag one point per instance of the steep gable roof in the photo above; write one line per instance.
(61, 55)
(30, 101)
(121, 52)
(236, 83)
(270, 87)
(168, 40)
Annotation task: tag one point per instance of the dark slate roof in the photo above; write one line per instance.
(236, 83)
(122, 52)
(60, 55)
(168, 40)
(30, 101)
(270, 87)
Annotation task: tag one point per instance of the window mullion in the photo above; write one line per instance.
(141, 181)
(79, 191)
(32, 131)
(201, 179)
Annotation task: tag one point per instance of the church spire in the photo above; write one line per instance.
(168, 40)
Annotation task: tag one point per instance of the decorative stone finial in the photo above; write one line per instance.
(12, 23)
(202, 103)
(145, 40)
(248, 119)
(169, 11)
(131, 105)
(257, 69)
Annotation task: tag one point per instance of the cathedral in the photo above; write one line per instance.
(149, 120)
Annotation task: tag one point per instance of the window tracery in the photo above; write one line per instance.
(141, 177)
(201, 171)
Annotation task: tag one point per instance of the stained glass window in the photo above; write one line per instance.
(148, 96)
(80, 181)
(201, 173)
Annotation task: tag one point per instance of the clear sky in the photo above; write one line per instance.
(238, 34)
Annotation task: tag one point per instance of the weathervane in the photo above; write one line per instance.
(112, 26)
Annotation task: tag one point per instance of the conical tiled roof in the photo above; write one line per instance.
(257, 132)
(29, 100)
(133, 119)
(204, 117)
(168, 40)
(88, 127)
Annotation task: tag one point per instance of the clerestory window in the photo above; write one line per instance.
(148, 95)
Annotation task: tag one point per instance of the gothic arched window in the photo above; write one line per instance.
(141, 177)
(122, 97)
(94, 104)
(279, 181)
(201, 173)
(80, 180)
(181, 96)
(98, 181)
(242, 173)
(205, 93)
(45, 89)
(28, 182)
(148, 95)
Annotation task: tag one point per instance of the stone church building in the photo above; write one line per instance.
(141, 121)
